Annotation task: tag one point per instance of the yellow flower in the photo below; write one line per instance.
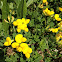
(15, 44)
(58, 28)
(29, 50)
(18, 38)
(46, 9)
(44, 1)
(21, 24)
(52, 12)
(15, 23)
(19, 49)
(54, 30)
(23, 45)
(24, 39)
(8, 41)
(27, 21)
(48, 12)
(57, 17)
(60, 9)
(26, 29)
(19, 21)
(23, 21)
(25, 50)
(22, 27)
(27, 55)
(18, 30)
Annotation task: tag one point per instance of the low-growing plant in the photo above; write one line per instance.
(30, 30)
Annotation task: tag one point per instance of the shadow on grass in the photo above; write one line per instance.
(2, 59)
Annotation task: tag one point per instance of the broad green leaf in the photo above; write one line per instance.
(5, 11)
(20, 10)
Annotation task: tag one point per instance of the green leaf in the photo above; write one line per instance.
(20, 10)
(1, 4)
(60, 0)
(1, 44)
(43, 44)
(11, 6)
(51, 24)
(22, 60)
(24, 9)
(0, 26)
(17, 2)
(31, 23)
(38, 59)
(29, 2)
(0, 16)
(33, 48)
(5, 11)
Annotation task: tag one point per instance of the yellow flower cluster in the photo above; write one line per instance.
(8, 41)
(19, 45)
(19, 38)
(54, 30)
(60, 9)
(48, 12)
(23, 47)
(57, 17)
(57, 30)
(21, 24)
